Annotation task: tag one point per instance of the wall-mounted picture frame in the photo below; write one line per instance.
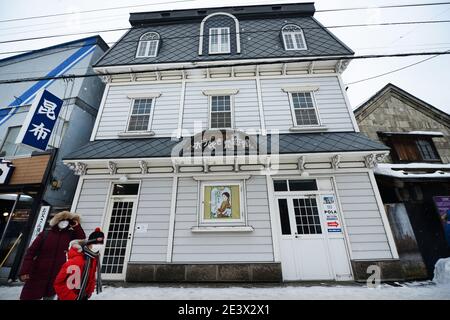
(222, 203)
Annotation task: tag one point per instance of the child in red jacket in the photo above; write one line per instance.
(80, 275)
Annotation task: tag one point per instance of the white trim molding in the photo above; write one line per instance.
(215, 178)
(348, 104)
(300, 88)
(220, 92)
(202, 29)
(100, 112)
(310, 128)
(222, 229)
(136, 134)
(148, 95)
(173, 208)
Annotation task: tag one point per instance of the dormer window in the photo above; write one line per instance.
(219, 34)
(219, 40)
(148, 45)
(293, 37)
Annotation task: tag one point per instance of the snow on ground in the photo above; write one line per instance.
(410, 291)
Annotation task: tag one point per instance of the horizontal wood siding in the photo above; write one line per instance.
(196, 108)
(117, 106)
(333, 111)
(91, 204)
(253, 246)
(153, 210)
(29, 170)
(362, 217)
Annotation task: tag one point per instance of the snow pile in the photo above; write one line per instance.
(442, 272)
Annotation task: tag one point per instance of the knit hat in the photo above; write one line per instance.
(96, 237)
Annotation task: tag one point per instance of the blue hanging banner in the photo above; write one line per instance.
(40, 121)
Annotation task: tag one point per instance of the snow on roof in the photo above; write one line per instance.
(395, 170)
(422, 133)
(431, 133)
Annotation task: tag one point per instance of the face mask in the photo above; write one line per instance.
(63, 224)
(96, 247)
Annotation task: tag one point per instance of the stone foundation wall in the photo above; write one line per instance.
(239, 272)
(405, 269)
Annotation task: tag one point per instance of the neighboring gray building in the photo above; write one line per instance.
(414, 181)
(40, 178)
(251, 171)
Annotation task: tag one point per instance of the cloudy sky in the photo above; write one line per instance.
(430, 80)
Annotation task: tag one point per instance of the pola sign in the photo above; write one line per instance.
(38, 126)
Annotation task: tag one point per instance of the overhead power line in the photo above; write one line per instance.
(230, 33)
(396, 70)
(181, 1)
(225, 65)
(94, 10)
(386, 6)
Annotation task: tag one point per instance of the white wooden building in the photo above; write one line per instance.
(226, 150)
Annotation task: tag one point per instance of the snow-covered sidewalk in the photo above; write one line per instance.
(412, 290)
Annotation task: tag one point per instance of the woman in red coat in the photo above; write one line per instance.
(80, 275)
(47, 254)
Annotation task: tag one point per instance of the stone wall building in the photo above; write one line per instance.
(414, 181)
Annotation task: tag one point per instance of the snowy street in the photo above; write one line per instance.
(411, 291)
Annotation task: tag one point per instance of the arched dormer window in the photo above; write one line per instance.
(148, 45)
(220, 37)
(293, 37)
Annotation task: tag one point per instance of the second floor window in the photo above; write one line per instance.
(219, 40)
(221, 113)
(303, 109)
(427, 150)
(148, 45)
(293, 37)
(10, 148)
(141, 114)
(412, 148)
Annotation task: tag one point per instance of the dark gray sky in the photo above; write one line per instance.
(430, 80)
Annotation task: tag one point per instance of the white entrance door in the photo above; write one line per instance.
(119, 225)
(308, 252)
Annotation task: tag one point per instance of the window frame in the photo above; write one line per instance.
(17, 146)
(148, 46)
(242, 221)
(219, 38)
(292, 107)
(292, 34)
(430, 143)
(130, 113)
(210, 98)
(393, 140)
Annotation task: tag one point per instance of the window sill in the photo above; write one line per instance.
(215, 53)
(222, 229)
(311, 128)
(141, 134)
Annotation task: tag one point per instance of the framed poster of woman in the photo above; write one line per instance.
(221, 203)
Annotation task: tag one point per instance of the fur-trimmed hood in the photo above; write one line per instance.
(75, 248)
(77, 244)
(64, 215)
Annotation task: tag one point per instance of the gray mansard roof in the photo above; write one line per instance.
(292, 143)
(260, 35)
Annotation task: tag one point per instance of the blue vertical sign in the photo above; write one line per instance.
(38, 126)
